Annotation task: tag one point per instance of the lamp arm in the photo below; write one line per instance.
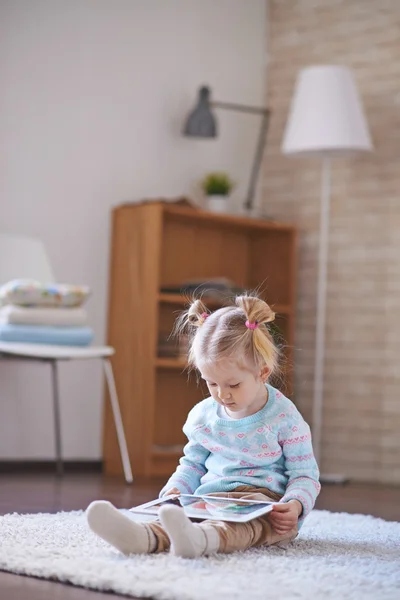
(265, 112)
(240, 107)
(257, 162)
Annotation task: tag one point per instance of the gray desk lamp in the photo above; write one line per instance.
(201, 123)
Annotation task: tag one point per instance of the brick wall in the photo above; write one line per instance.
(361, 430)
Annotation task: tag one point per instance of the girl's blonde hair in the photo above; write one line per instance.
(239, 332)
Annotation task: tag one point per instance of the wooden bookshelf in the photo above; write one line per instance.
(158, 246)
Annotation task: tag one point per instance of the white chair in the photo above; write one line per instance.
(23, 257)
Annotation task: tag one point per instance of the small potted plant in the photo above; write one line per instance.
(217, 187)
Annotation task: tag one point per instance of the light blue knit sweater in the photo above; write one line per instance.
(271, 449)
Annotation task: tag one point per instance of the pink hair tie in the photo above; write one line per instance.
(252, 325)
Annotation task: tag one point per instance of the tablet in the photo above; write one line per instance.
(217, 508)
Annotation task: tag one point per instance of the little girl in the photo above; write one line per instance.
(247, 440)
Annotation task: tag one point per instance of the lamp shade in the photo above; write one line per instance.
(201, 121)
(326, 116)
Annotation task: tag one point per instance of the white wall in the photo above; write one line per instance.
(93, 94)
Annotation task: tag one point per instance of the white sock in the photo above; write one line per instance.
(118, 530)
(188, 539)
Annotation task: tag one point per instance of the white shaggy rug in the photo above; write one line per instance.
(337, 556)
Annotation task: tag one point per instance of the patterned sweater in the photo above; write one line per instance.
(271, 449)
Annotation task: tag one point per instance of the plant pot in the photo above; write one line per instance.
(218, 204)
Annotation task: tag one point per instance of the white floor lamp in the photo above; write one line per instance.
(326, 120)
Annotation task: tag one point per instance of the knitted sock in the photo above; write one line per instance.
(118, 530)
(188, 539)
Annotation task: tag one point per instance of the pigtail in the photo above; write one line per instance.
(192, 318)
(197, 313)
(255, 309)
(188, 323)
(257, 315)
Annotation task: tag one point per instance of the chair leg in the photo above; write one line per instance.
(57, 424)
(118, 420)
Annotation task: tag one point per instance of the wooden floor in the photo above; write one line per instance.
(45, 493)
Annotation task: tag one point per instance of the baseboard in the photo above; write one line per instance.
(49, 466)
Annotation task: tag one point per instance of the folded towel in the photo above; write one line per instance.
(40, 315)
(37, 334)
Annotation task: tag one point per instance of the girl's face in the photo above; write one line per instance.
(239, 390)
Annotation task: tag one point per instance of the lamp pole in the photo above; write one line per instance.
(321, 306)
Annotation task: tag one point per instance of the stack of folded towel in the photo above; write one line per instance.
(34, 312)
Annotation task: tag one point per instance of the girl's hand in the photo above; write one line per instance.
(172, 491)
(285, 515)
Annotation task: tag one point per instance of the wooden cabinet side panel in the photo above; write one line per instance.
(132, 331)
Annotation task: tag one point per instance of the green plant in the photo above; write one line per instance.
(217, 184)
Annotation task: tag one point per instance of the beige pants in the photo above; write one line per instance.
(236, 536)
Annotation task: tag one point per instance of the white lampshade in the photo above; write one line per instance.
(326, 115)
